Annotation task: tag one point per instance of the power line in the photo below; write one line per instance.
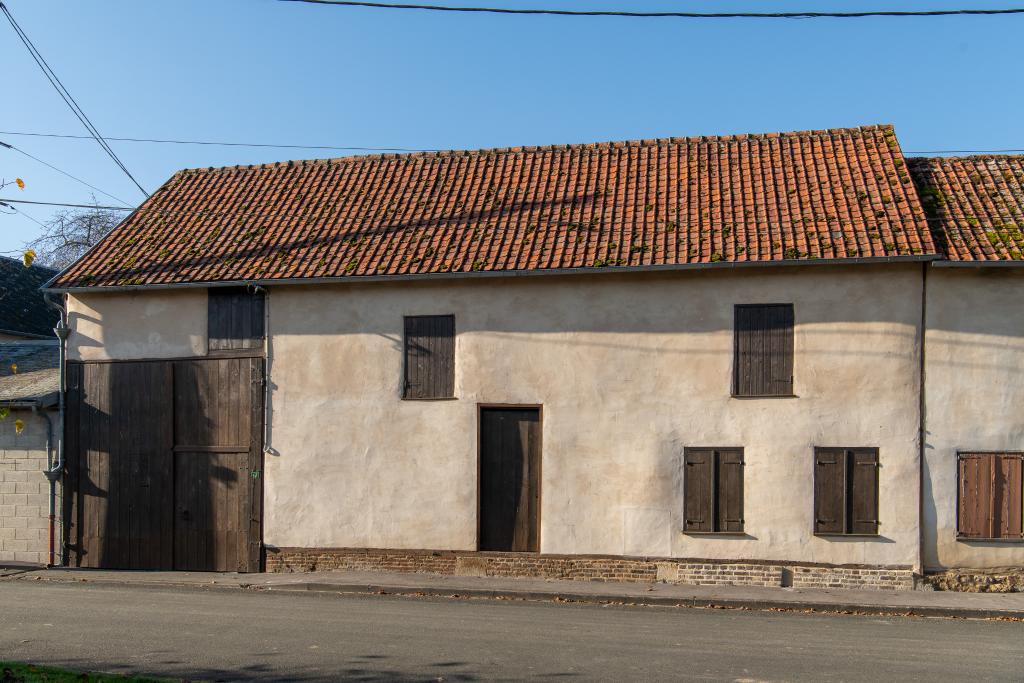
(77, 206)
(65, 95)
(34, 158)
(665, 15)
(225, 144)
(22, 213)
(389, 149)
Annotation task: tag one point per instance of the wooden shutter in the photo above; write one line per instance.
(862, 490)
(829, 491)
(698, 489)
(429, 356)
(989, 495)
(234, 319)
(730, 490)
(763, 350)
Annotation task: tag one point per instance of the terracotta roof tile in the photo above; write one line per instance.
(831, 194)
(975, 205)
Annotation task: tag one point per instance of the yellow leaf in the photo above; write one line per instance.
(20, 183)
(28, 257)
(19, 426)
(14, 368)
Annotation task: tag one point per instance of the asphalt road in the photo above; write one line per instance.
(249, 635)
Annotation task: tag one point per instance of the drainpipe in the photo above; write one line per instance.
(56, 466)
(922, 422)
(49, 467)
(266, 367)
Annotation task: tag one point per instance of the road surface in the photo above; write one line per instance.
(258, 635)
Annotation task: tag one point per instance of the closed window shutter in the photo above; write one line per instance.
(829, 490)
(1006, 500)
(698, 482)
(863, 488)
(429, 356)
(730, 490)
(990, 496)
(235, 319)
(763, 350)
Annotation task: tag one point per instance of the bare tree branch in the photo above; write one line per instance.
(70, 233)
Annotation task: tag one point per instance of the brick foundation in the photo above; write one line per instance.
(589, 568)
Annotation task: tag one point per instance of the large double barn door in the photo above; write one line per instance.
(165, 464)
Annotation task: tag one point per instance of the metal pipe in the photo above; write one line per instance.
(56, 469)
(49, 468)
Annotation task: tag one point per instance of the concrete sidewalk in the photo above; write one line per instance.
(896, 603)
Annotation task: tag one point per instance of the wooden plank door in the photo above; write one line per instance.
(217, 464)
(119, 465)
(510, 479)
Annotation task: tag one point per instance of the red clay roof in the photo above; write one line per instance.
(827, 194)
(975, 204)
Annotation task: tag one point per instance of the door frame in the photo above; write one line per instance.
(480, 408)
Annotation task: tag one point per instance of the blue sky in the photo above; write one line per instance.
(265, 71)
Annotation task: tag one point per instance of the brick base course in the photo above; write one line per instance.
(589, 568)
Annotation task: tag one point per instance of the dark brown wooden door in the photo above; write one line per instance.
(510, 479)
(164, 464)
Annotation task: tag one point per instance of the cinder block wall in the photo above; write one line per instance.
(24, 490)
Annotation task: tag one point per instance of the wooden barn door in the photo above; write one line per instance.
(164, 464)
(510, 479)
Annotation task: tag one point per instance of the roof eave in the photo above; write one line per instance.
(718, 265)
(979, 264)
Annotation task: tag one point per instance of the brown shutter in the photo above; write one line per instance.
(730, 490)
(429, 356)
(234, 319)
(863, 490)
(763, 350)
(1006, 498)
(989, 495)
(698, 493)
(829, 490)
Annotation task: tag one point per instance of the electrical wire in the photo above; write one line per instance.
(667, 15)
(61, 171)
(390, 149)
(225, 144)
(65, 95)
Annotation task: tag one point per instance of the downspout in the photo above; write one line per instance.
(49, 466)
(55, 467)
(266, 367)
(922, 425)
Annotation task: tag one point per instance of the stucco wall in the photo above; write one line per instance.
(162, 324)
(24, 489)
(974, 372)
(629, 370)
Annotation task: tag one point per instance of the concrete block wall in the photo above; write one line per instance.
(24, 489)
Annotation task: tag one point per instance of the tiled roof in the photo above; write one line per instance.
(29, 372)
(828, 194)
(22, 309)
(976, 205)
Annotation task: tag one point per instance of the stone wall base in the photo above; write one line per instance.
(591, 568)
(1001, 580)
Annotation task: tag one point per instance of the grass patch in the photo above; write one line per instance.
(13, 672)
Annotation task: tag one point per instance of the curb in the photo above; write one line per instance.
(314, 589)
(657, 601)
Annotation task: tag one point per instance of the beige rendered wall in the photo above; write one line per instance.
(24, 489)
(629, 369)
(154, 324)
(974, 372)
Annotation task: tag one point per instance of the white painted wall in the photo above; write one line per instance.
(974, 372)
(163, 324)
(629, 369)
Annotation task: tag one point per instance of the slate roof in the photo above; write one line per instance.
(22, 309)
(976, 205)
(29, 372)
(826, 194)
